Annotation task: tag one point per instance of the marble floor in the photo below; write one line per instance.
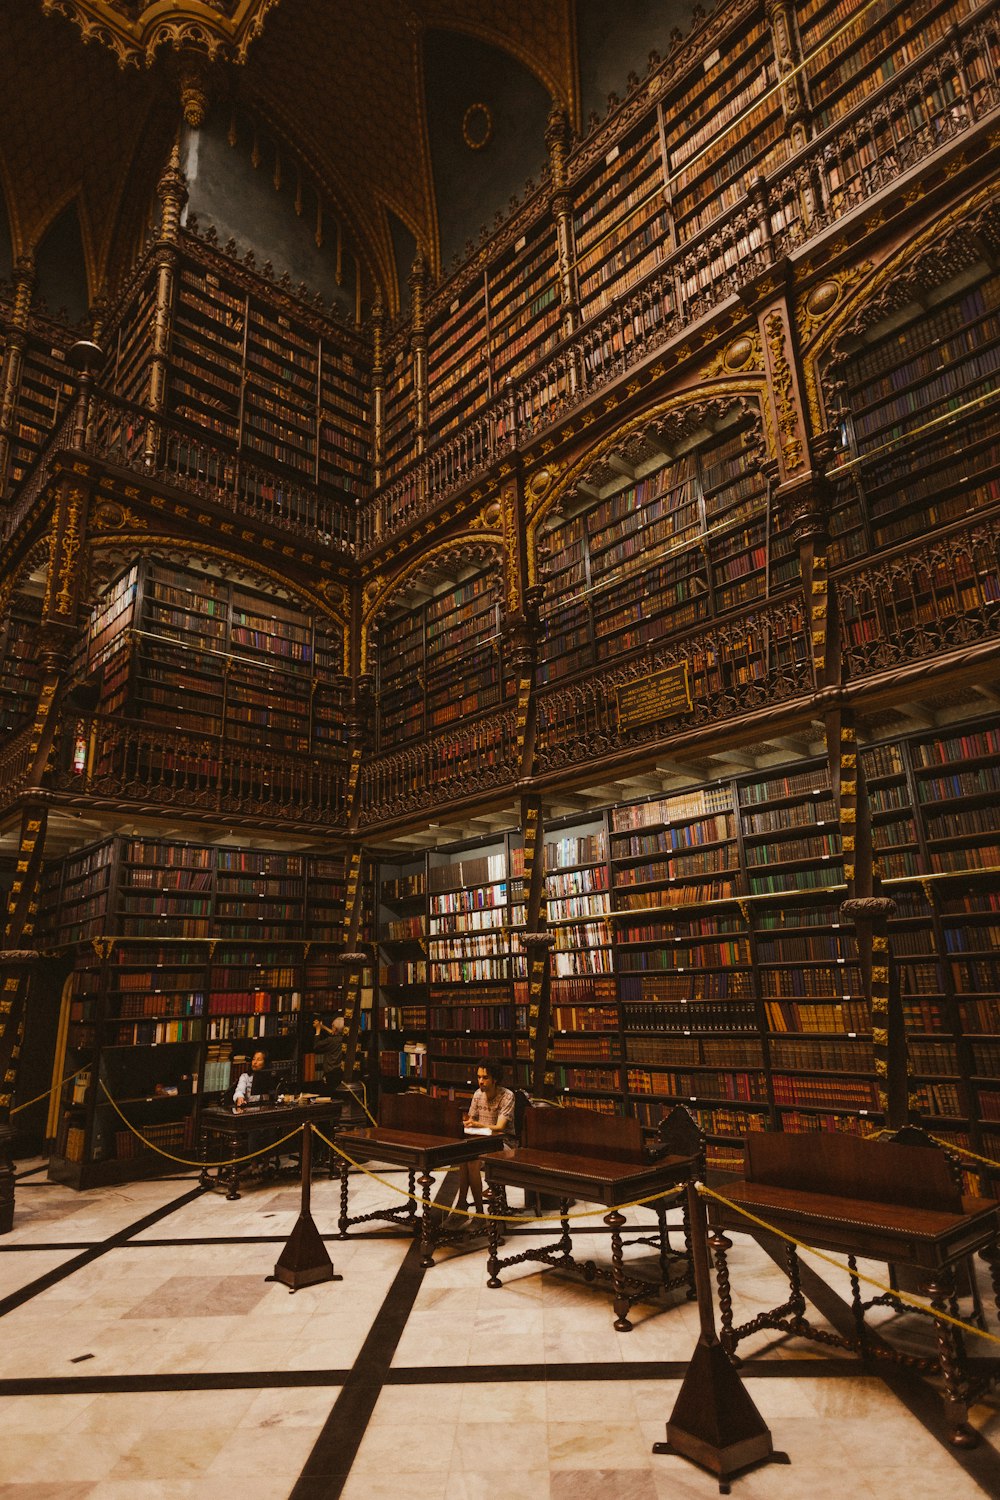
(143, 1354)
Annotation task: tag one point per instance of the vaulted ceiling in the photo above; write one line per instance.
(94, 92)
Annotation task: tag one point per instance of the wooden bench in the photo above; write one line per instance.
(897, 1201)
(578, 1154)
(423, 1135)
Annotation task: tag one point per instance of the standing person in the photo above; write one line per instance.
(492, 1106)
(330, 1052)
(245, 1091)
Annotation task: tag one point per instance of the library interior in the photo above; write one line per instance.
(537, 678)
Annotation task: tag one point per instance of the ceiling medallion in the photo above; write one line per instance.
(477, 127)
(136, 29)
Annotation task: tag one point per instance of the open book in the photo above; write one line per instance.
(477, 1130)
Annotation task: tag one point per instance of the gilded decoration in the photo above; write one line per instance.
(741, 354)
(223, 29)
(110, 516)
(784, 395)
(476, 546)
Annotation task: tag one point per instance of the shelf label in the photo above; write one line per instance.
(662, 695)
(612, 155)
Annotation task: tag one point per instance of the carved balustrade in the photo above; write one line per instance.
(460, 763)
(751, 661)
(15, 764)
(113, 759)
(932, 598)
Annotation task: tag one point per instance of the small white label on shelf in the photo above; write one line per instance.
(520, 244)
(711, 60)
(862, 1111)
(455, 305)
(611, 156)
(687, 1033)
(841, 960)
(852, 1033)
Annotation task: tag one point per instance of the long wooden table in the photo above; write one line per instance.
(240, 1131)
(895, 1201)
(577, 1154)
(423, 1135)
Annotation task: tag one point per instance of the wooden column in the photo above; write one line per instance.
(13, 360)
(172, 192)
(377, 324)
(788, 58)
(418, 345)
(558, 137)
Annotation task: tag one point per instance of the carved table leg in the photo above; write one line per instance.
(614, 1221)
(204, 1180)
(796, 1301)
(411, 1188)
(951, 1356)
(565, 1245)
(692, 1291)
(661, 1219)
(860, 1326)
(719, 1245)
(426, 1224)
(493, 1262)
(343, 1221)
(991, 1255)
(232, 1178)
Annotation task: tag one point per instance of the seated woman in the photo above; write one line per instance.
(492, 1107)
(244, 1092)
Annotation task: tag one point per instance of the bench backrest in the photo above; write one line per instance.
(421, 1114)
(583, 1132)
(848, 1166)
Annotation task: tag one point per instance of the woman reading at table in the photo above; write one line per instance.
(492, 1108)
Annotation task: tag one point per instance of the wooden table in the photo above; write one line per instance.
(577, 1154)
(423, 1135)
(894, 1201)
(240, 1131)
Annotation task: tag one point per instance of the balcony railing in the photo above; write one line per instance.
(179, 453)
(452, 766)
(15, 763)
(742, 664)
(111, 758)
(932, 598)
(943, 95)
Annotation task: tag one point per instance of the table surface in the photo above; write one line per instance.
(597, 1179)
(220, 1117)
(414, 1147)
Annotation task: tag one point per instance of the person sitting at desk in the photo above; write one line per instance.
(492, 1107)
(245, 1093)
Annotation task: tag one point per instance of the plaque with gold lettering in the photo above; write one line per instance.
(663, 695)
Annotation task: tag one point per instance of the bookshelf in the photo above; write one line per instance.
(186, 957)
(522, 289)
(187, 650)
(904, 471)
(441, 660)
(45, 393)
(19, 674)
(692, 539)
(402, 973)
(620, 225)
(477, 983)
(400, 422)
(458, 364)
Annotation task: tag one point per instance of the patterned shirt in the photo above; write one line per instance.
(482, 1112)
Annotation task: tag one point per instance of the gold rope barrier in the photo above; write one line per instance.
(468, 1213)
(183, 1160)
(707, 1192)
(47, 1093)
(987, 1161)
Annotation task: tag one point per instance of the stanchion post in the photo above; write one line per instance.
(304, 1260)
(714, 1423)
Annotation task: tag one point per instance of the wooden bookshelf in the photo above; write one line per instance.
(19, 673)
(458, 364)
(402, 972)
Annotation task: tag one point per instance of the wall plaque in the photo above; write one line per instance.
(664, 694)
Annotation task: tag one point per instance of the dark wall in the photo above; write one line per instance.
(471, 185)
(241, 201)
(613, 39)
(61, 274)
(404, 249)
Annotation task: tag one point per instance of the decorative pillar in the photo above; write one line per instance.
(538, 945)
(13, 359)
(558, 137)
(788, 62)
(377, 322)
(172, 193)
(418, 347)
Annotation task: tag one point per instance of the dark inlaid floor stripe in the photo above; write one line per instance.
(113, 1242)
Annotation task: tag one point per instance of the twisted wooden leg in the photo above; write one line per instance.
(343, 1221)
(951, 1357)
(860, 1326)
(614, 1221)
(692, 1291)
(661, 1219)
(493, 1261)
(719, 1244)
(411, 1188)
(796, 1301)
(426, 1231)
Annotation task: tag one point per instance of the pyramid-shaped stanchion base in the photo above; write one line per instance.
(714, 1423)
(304, 1260)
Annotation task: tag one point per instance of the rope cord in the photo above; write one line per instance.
(467, 1213)
(47, 1093)
(184, 1161)
(914, 1302)
(987, 1161)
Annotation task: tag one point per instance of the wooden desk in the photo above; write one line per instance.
(422, 1134)
(240, 1131)
(575, 1153)
(877, 1200)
